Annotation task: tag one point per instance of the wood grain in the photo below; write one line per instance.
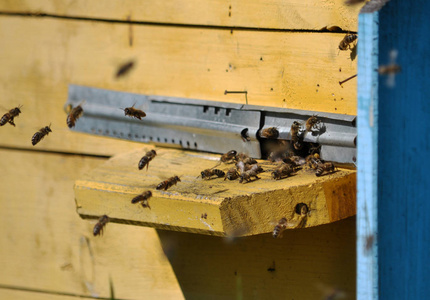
(46, 246)
(40, 57)
(31, 295)
(232, 208)
(310, 263)
(277, 14)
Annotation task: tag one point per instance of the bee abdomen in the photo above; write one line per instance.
(6, 118)
(218, 173)
(37, 137)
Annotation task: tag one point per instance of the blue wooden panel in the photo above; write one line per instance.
(404, 153)
(367, 130)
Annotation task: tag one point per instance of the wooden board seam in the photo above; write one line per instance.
(148, 23)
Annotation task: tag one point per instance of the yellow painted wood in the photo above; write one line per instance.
(232, 208)
(309, 263)
(279, 14)
(46, 246)
(40, 57)
(29, 295)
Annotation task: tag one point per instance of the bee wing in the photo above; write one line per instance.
(391, 80)
(393, 55)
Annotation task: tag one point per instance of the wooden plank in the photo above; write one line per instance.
(46, 246)
(311, 263)
(232, 208)
(276, 14)
(40, 57)
(367, 159)
(403, 190)
(31, 295)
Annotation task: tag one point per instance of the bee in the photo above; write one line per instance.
(231, 174)
(168, 183)
(346, 41)
(270, 133)
(389, 69)
(325, 167)
(311, 122)
(10, 115)
(206, 174)
(279, 228)
(124, 69)
(134, 112)
(277, 155)
(144, 161)
(249, 161)
(74, 115)
(98, 228)
(38, 136)
(314, 161)
(295, 138)
(143, 199)
(204, 216)
(230, 155)
(283, 171)
(250, 173)
(301, 209)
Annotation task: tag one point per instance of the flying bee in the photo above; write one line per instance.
(230, 155)
(325, 167)
(311, 122)
(282, 171)
(246, 176)
(168, 183)
(346, 41)
(10, 115)
(231, 174)
(279, 228)
(134, 112)
(144, 161)
(98, 228)
(143, 199)
(208, 173)
(124, 69)
(391, 69)
(295, 138)
(270, 133)
(38, 136)
(74, 115)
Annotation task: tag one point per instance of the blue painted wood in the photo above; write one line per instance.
(404, 153)
(367, 130)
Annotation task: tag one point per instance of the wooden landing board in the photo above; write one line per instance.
(46, 246)
(40, 57)
(277, 14)
(232, 208)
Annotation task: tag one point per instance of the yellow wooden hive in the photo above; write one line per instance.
(281, 52)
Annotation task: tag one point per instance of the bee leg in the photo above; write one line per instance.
(147, 166)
